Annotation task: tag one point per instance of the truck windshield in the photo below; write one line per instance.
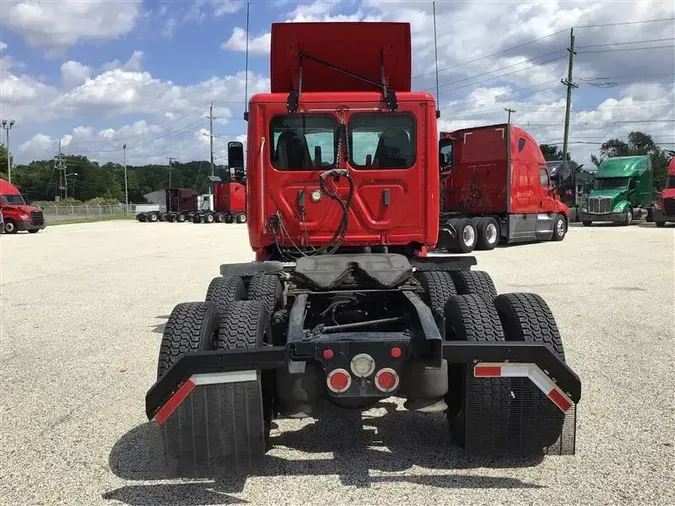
(670, 182)
(383, 141)
(611, 183)
(16, 200)
(303, 141)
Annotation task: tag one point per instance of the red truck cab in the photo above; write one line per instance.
(664, 209)
(17, 215)
(496, 177)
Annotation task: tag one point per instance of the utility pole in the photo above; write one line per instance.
(171, 159)
(126, 185)
(509, 110)
(60, 165)
(7, 128)
(568, 105)
(211, 118)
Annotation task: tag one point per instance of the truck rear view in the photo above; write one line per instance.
(664, 208)
(496, 186)
(343, 304)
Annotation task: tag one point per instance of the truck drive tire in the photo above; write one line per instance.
(526, 317)
(660, 223)
(466, 236)
(191, 327)
(474, 283)
(478, 408)
(245, 425)
(487, 230)
(180, 218)
(267, 289)
(438, 288)
(559, 228)
(224, 290)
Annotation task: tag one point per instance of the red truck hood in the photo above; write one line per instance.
(21, 208)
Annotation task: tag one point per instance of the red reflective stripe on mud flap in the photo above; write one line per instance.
(174, 401)
(559, 400)
(487, 370)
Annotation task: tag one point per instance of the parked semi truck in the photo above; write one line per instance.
(343, 304)
(663, 210)
(17, 215)
(623, 191)
(226, 204)
(496, 186)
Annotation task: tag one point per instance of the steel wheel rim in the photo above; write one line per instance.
(491, 233)
(561, 227)
(468, 235)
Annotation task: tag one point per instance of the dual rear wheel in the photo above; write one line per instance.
(227, 422)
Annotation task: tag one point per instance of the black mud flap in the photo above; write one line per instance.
(519, 399)
(214, 422)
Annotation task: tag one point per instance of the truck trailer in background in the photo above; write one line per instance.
(496, 186)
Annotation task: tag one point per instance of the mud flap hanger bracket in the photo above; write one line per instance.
(389, 94)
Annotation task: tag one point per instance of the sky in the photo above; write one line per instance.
(98, 74)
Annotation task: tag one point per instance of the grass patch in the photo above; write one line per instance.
(76, 220)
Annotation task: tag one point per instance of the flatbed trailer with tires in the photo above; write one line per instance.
(342, 305)
(496, 187)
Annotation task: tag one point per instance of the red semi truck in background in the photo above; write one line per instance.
(226, 204)
(664, 208)
(17, 215)
(495, 185)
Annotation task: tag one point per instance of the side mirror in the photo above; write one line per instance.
(235, 155)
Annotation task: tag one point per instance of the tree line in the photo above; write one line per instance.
(40, 180)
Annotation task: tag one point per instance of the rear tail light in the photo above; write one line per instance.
(339, 381)
(386, 380)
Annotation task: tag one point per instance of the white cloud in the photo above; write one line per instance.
(256, 45)
(3, 46)
(133, 64)
(74, 73)
(55, 26)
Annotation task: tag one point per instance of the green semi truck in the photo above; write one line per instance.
(622, 192)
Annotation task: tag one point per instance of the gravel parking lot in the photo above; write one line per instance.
(82, 314)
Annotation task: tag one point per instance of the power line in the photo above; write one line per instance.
(625, 49)
(626, 43)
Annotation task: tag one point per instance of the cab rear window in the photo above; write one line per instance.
(382, 141)
(303, 141)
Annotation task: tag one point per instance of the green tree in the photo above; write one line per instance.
(552, 153)
(637, 143)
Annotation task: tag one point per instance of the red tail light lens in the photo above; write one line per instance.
(386, 380)
(339, 381)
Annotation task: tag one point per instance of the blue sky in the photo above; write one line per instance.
(96, 74)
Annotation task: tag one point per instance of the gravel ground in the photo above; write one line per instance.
(82, 314)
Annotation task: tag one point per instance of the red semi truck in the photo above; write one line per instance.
(495, 185)
(17, 215)
(664, 208)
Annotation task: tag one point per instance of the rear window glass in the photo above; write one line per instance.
(382, 141)
(303, 141)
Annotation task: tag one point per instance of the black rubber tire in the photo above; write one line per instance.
(245, 432)
(153, 217)
(143, 217)
(660, 223)
(242, 218)
(224, 290)
(474, 283)
(482, 242)
(209, 218)
(10, 227)
(629, 217)
(557, 236)
(587, 223)
(438, 288)
(228, 218)
(34, 231)
(162, 217)
(267, 289)
(196, 218)
(485, 431)
(526, 317)
(459, 245)
(171, 217)
(220, 217)
(181, 218)
(192, 326)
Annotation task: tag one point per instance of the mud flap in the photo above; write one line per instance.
(213, 421)
(539, 421)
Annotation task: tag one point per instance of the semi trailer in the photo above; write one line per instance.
(496, 187)
(342, 304)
